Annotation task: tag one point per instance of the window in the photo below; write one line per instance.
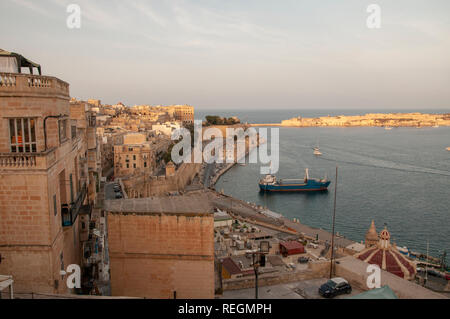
(128, 165)
(61, 259)
(55, 209)
(74, 131)
(71, 188)
(145, 164)
(134, 157)
(62, 130)
(22, 132)
(134, 165)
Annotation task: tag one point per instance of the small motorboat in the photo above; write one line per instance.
(317, 151)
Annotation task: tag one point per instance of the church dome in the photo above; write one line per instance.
(384, 234)
(387, 257)
(372, 233)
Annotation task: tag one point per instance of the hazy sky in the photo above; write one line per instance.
(240, 54)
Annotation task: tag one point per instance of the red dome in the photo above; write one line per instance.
(390, 260)
(388, 257)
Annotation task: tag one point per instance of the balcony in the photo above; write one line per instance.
(41, 160)
(92, 121)
(69, 213)
(17, 84)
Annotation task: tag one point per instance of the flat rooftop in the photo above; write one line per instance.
(195, 204)
(221, 215)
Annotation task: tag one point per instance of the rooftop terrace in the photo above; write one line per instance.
(18, 85)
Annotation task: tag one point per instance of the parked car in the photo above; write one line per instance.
(433, 273)
(303, 260)
(334, 287)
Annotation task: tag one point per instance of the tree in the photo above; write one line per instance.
(213, 120)
(168, 155)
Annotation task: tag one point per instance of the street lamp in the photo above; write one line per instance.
(259, 259)
(332, 232)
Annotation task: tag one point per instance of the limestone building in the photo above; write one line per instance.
(137, 156)
(96, 103)
(133, 155)
(166, 128)
(184, 113)
(45, 180)
(161, 247)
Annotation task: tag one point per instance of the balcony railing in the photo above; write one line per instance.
(70, 213)
(18, 160)
(41, 160)
(16, 83)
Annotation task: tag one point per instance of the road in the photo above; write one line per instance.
(243, 209)
(209, 172)
(307, 289)
(109, 191)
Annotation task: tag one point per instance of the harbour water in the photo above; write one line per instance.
(398, 177)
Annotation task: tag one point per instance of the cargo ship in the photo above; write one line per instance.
(271, 184)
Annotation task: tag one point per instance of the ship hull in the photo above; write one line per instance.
(310, 186)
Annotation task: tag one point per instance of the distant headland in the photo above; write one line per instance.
(387, 120)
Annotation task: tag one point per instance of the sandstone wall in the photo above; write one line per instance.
(154, 255)
(161, 185)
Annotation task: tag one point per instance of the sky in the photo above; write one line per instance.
(248, 54)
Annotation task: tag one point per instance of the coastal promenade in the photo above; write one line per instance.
(252, 213)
